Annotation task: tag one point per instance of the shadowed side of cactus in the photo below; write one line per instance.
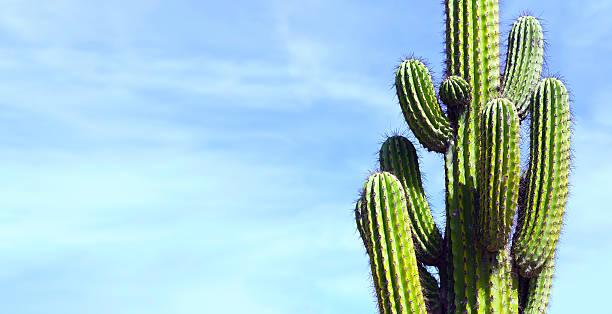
(534, 292)
(431, 291)
(480, 269)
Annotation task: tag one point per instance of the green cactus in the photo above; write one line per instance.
(485, 262)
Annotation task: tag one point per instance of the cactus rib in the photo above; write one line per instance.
(420, 107)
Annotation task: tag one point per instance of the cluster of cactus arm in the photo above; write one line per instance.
(486, 262)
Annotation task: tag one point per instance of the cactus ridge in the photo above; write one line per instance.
(420, 106)
(480, 269)
(523, 62)
(540, 218)
(398, 156)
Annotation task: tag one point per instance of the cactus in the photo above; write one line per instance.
(486, 262)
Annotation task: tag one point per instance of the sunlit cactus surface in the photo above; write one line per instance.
(497, 251)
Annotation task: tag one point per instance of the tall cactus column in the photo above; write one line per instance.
(472, 52)
(480, 269)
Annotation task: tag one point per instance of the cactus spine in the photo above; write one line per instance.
(480, 269)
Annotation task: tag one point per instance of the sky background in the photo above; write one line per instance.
(204, 157)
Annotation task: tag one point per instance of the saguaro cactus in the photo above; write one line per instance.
(483, 265)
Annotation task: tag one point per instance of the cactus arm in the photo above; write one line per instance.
(499, 173)
(431, 291)
(456, 94)
(385, 220)
(472, 45)
(539, 220)
(523, 62)
(537, 289)
(420, 107)
(398, 156)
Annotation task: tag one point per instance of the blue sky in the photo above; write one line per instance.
(200, 157)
